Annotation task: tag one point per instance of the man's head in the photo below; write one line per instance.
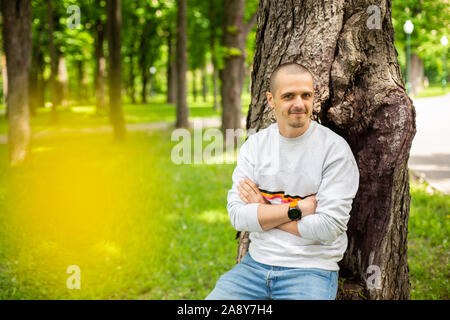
(291, 95)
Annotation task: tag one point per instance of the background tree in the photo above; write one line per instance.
(100, 62)
(114, 9)
(150, 43)
(235, 32)
(427, 17)
(39, 45)
(182, 108)
(215, 22)
(171, 61)
(360, 96)
(53, 61)
(198, 27)
(17, 46)
(131, 30)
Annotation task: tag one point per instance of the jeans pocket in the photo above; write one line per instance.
(326, 274)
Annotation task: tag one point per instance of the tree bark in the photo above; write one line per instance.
(204, 85)
(182, 108)
(100, 67)
(194, 84)
(131, 79)
(53, 64)
(114, 10)
(171, 71)
(81, 94)
(212, 40)
(235, 32)
(144, 86)
(37, 81)
(416, 74)
(143, 51)
(63, 82)
(360, 96)
(17, 45)
(4, 78)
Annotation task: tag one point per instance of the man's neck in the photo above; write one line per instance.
(289, 132)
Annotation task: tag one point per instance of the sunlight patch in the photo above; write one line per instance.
(213, 216)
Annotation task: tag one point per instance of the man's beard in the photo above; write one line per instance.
(300, 124)
(297, 125)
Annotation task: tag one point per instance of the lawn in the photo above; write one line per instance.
(428, 243)
(82, 116)
(123, 213)
(432, 91)
(140, 227)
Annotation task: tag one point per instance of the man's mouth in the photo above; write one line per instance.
(297, 112)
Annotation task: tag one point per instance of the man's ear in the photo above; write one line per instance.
(269, 99)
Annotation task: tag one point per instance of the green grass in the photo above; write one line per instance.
(82, 116)
(123, 213)
(432, 91)
(428, 243)
(88, 202)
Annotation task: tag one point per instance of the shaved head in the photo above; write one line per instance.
(288, 68)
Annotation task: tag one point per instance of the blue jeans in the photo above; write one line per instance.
(251, 280)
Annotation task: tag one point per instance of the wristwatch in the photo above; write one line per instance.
(294, 212)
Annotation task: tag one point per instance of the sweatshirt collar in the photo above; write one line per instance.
(298, 139)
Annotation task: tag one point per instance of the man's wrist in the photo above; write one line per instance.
(271, 216)
(305, 208)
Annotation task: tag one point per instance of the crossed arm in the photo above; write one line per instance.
(274, 216)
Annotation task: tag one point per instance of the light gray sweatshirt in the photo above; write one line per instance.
(317, 162)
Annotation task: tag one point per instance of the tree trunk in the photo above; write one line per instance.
(182, 108)
(416, 74)
(53, 64)
(5, 78)
(194, 85)
(235, 32)
(359, 95)
(204, 86)
(171, 72)
(212, 40)
(80, 82)
(100, 67)
(143, 51)
(17, 45)
(232, 76)
(214, 80)
(63, 81)
(144, 86)
(114, 10)
(36, 84)
(33, 83)
(131, 80)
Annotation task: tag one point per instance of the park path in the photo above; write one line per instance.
(131, 127)
(430, 150)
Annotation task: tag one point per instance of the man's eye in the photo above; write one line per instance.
(288, 96)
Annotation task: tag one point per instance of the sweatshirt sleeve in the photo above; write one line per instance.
(340, 182)
(243, 217)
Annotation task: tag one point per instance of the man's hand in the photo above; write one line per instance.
(308, 205)
(249, 192)
(274, 216)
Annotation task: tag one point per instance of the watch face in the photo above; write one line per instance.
(294, 213)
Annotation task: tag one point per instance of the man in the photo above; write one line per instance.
(293, 188)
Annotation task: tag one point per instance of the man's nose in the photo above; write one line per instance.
(298, 101)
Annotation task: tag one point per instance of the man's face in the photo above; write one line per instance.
(293, 99)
